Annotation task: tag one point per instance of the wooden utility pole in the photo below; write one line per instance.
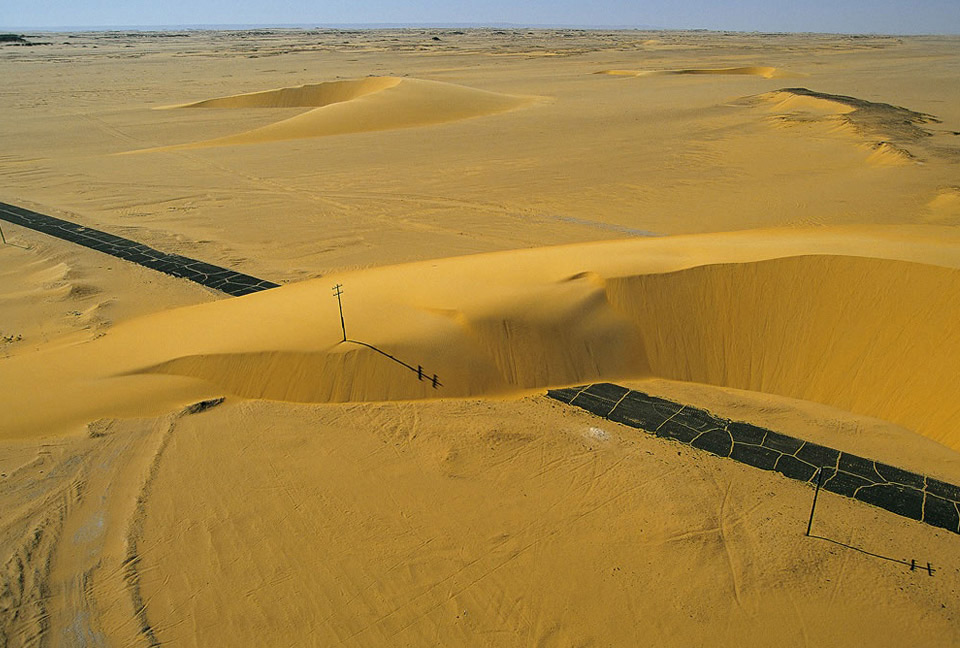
(336, 293)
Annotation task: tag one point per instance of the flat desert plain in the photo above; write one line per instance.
(763, 226)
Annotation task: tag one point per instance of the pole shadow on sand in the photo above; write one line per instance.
(338, 293)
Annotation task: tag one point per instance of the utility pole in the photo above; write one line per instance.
(336, 293)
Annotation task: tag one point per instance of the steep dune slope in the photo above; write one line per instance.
(867, 335)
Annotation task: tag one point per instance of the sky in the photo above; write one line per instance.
(845, 16)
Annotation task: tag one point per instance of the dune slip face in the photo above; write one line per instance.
(907, 494)
(354, 106)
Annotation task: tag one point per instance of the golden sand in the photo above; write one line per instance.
(761, 226)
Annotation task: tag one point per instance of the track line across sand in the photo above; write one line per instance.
(222, 279)
(899, 491)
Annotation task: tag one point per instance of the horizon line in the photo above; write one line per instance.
(437, 25)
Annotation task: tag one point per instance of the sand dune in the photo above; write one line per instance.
(882, 129)
(889, 154)
(757, 70)
(359, 106)
(764, 71)
(632, 73)
(867, 117)
(306, 96)
(945, 207)
(856, 319)
(870, 336)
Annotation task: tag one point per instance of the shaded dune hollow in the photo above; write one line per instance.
(354, 106)
(872, 336)
(756, 70)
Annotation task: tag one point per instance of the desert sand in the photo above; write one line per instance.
(765, 226)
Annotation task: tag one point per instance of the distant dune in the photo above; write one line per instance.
(306, 96)
(357, 106)
(757, 70)
(883, 129)
(945, 207)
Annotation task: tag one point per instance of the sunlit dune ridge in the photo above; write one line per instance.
(859, 319)
(355, 106)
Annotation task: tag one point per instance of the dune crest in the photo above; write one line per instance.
(359, 106)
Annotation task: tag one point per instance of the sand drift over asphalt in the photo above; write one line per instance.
(356, 106)
(860, 319)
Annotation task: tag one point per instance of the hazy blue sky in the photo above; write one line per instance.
(856, 16)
